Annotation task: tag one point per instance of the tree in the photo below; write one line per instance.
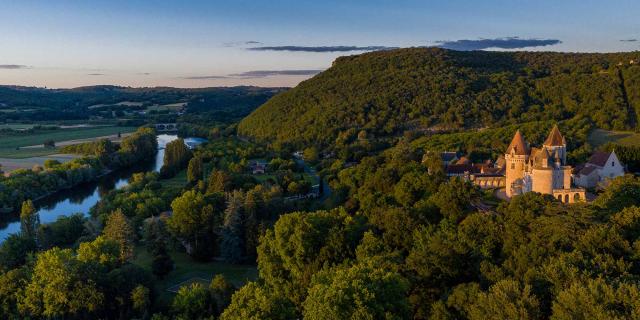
(221, 292)
(11, 283)
(596, 299)
(15, 250)
(192, 221)
(219, 181)
(59, 287)
(161, 264)
(256, 302)
(192, 302)
(301, 244)
(232, 234)
(49, 143)
(194, 170)
(119, 229)
(311, 154)
(506, 300)
(141, 301)
(357, 292)
(29, 220)
(176, 157)
(102, 251)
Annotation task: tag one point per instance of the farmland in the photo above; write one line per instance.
(13, 145)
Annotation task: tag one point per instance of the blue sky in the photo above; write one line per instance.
(212, 43)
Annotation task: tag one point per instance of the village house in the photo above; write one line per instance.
(602, 166)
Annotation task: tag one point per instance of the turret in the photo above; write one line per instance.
(516, 157)
(557, 145)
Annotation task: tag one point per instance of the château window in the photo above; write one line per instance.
(513, 165)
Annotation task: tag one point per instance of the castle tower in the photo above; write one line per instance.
(516, 158)
(557, 145)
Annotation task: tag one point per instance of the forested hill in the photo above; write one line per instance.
(388, 92)
(30, 103)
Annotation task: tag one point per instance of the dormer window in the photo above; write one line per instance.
(613, 164)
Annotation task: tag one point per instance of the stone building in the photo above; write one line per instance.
(601, 167)
(542, 170)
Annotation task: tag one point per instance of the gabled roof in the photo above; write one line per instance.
(555, 138)
(448, 156)
(599, 158)
(518, 145)
(587, 170)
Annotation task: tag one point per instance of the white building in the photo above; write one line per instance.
(601, 166)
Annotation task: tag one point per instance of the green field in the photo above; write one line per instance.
(186, 269)
(599, 137)
(9, 144)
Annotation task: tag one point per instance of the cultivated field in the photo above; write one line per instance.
(627, 138)
(30, 144)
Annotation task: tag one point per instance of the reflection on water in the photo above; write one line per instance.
(82, 198)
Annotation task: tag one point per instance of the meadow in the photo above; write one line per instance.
(599, 137)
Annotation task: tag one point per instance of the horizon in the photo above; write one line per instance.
(203, 44)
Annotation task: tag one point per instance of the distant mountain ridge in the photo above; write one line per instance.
(388, 92)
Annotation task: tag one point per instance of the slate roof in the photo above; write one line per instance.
(599, 158)
(555, 138)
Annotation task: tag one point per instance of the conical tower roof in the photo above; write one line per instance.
(518, 145)
(555, 138)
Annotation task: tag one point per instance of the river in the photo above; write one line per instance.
(82, 198)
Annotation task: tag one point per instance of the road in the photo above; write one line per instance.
(326, 191)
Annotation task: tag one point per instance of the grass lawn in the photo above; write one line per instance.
(178, 181)
(599, 137)
(187, 269)
(38, 137)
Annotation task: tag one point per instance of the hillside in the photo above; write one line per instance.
(388, 92)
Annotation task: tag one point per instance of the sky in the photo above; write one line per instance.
(62, 44)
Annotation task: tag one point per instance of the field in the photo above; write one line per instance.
(187, 271)
(627, 138)
(13, 146)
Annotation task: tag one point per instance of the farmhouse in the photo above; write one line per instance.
(601, 167)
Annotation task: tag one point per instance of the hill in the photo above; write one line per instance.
(41, 104)
(430, 89)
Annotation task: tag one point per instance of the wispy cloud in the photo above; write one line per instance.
(241, 43)
(270, 73)
(95, 74)
(501, 43)
(205, 77)
(13, 66)
(321, 48)
(258, 74)
(629, 40)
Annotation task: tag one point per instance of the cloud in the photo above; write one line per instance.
(321, 49)
(13, 66)
(258, 74)
(205, 77)
(269, 73)
(95, 74)
(143, 73)
(502, 43)
(241, 43)
(629, 40)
